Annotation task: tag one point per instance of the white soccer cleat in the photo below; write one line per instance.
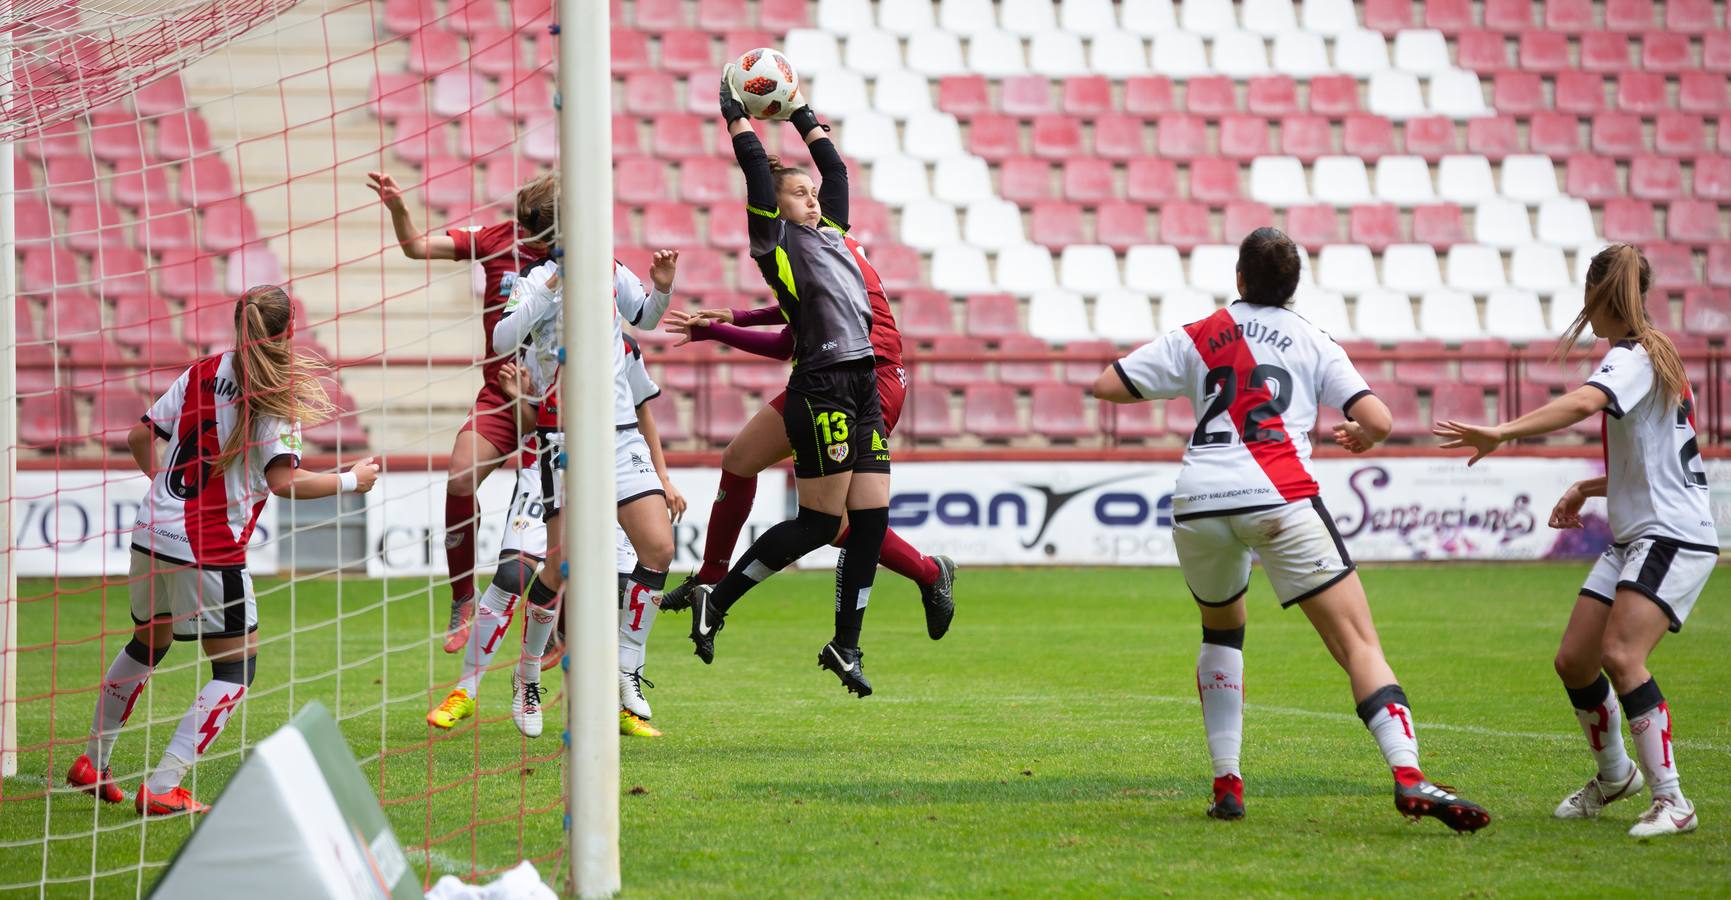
(631, 694)
(1592, 799)
(1667, 815)
(526, 705)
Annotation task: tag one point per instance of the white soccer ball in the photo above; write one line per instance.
(766, 83)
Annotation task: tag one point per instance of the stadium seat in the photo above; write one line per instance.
(1402, 400)
(1313, 225)
(1421, 51)
(1026, 96)
(1346, 268)
(1641, 92)
(1693, 222)
(48, 422)
(229, 225)
(1088, 96)
(180, 273)
(1243, 137)
(1515, 315)
(1056, 224)
(71, 181)
(1091, 18)
(1719, 264)
(1325, 309)
(719, 413)
(1485, 372)
(1179, 54)
(1026, 270)
(90, 227)
(72, 315)
(1058, 54)
(1129, 421)
(1059, 413)
(1594, 178)
(1119, 137)
(1663, 52)
(967, 17)
(1153, 269)
(1449, 315)
(1185, 225)
(1028, 180)
(964, 96)
(1618, 135)
(989, 412)
(1475, 269)
(1124, 317)
(928, 413)
(1579, 93)
(1181, 137)
(1335, 96)
(1544, 52)
(1088, 269)
(1403, 180)
(1465, 180)
(1605, 52)
(1183, 306)
(1539, 268)
(929, 224)
(1273, 96)
(962, 179)
(1375, 225)
(1335, 17)
(1713, 177)
(1341, 180)
(1089, 180)
(1121, 224)
(1630, 221)
(1148, 96)
(996, 54)
(1486, 52)
(1411, 269)
(1566, 222)
(898, 180)
(1629, 15)
(1530, 179)
(992, 316)
(1244, 216)
(1022, 374)
(925, 315)
(1707, 312)
(1278, 181)
(1362, 53)
(935, 54)
(1682, 134)
(1703, 92)
(1214, 181)
(1148, 179)
(1397, 95)
(1493, 137)
(1306, 137)
(1210, 96)
(1432, 137)
(993, 225)
(671, 225)
(994, 138)
(1367, 137)
(1518, 93)
(1458, 403)
(1213, 269)
(958, 269)
(1448, 16)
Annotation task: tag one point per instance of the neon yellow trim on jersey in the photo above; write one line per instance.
(815, 439)
(766, 213)
(831, 223)
(784, 271)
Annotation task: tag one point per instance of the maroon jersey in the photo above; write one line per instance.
(497, 249)
(886, 339)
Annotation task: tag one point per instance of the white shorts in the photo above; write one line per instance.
(634, 473)
(1297, 544)
(1667, 572)
(526, 532)
(203, 603)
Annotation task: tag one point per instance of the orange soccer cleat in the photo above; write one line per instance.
(176, 801)
(84, 776)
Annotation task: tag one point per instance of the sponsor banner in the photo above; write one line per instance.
(406, 519)
(79, 522)
(1121, 513)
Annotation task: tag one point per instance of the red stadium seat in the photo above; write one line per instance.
(1402, 400)
(1654, 177)
(1245, 216)
(1594, 178)
(1121, 224)
(688, 52)
(898, 266)
(710, 180)
(1367, 137)
(1313, 225)
(449, 186)
(72, 315)
(1431, 137)
(701, 271)
(1087, 96)
(432, 51)
(1457, 403)
(989, 412)
(1693, 222)
(735, 42)
(719, 414)
(1026, 96)
(659, 15)
(925, 315)
(1713, 177)
(964, 96)
(1306, 137)
(47, 269)
(119, 270)
(1335, 96)
(1616, 134)
(1440, 225)
(1682, 134)
(116, 409)
(1088, 180)
(1580, 93)
(1485, 52)
(528, 98)
(683, 377)
(783, 15)
(1690, 16)
(1057, 137)
(1119, 137)
(1484, 373)
(1243, 137)
(680, 136)
(640, 179)
(48, 422)
(1546, 52)
(1703, 92)
(164, 95)
(1151, 179)
(1518, 93)
(1374, 225)
(1181, 137)
(1673, 266)
(409, 16)
(186, 273)
(626, 141)
(1604, 51)
(1148, 96)
(394, 94)
(927, 417)
(959, 373)
(1707, 312)
(1641, 92)
(89, 228)
(137, 186)
(1493, 137)
(1387, 16)
(1025, 180)
(1716, 54)
(1210, 96)
(34, 223)
(415, 138)
(630, 51)
(207, 180)
(143, 318)
(1569, 16)
(1180, 417)
(1629, 15)
(1186, 225)
(1554, 134)
(1129, 421)
(229, 225)
(71, 181)
(1214, 181)
(1423, 372)
(1509, 15)
(992, 316)
(671, 225)
(1059, 411)
(117, 137)
(208, 321)
(995, 138)
(1448, 16)
(1630, 221)
(1023, 374)
(870, 221)
(473, 16)
(652, 93)
(1057, 225)
(55, 142)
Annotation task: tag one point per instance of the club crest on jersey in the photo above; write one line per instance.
(838, 452)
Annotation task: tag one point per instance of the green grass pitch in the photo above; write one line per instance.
(1052, 744)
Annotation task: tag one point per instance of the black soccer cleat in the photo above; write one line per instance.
(679, 599)
(1421, 798)
(1228, 799)
(705, 622)
(847, 666)
(939, 598)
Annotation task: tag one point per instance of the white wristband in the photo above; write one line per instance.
(348, 482)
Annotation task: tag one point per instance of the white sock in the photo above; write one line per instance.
(1601, 718)
(540, 617)
(119, 692)
(1220, 684)
(637, 609)
(198, 729)
(1651, 729)
(1386, 714)
(492, 621)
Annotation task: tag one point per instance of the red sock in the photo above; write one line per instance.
(460, 545)
(726, 518)
(900, 557)
(1407, 776)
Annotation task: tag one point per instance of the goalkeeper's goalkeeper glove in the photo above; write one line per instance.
(732, 109)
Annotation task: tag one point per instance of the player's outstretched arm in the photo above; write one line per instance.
(1553, 416)
(1567, 512)
(295, 484)
(415, 244)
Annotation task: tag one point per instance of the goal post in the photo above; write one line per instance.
(591, 679)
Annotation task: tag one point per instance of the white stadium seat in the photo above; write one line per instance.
(935, 53)
(1027, 17)
(839, 93)
(967, 17)
(1089, 269)
(1361, 52)
(1567, 222)
(906, 17)
(1395, 95)
(1341, 180)
(932, 136)
(873, 52)
(1465, 180)
(1214, 269)
(1502, 223)
(1057, 54)
(1207, 17)
(1475, 268)
(1089, 18)
(1540, 268)
(1404, 180)
(1278, 181)
(1457, 93)
(1411, 268)
(962, 179)
(929, 224)
(1325, 309)
(1180, 307)
(1305, 275)
(1025, 269)
(1269, 18)
(1515, 315)
(1385, 316)
(1449, 315)
(1347, 268)
(1300, 54)
(1565, 306)
(1124, 317)
(1529, 179)
(1240, 54)
(1584, 259)
(1179, 54)
(1149, 17)
(899, 94)
(1058, 316)
(996, 54)
(898, 179)
(994, 224)
(1421, 51)
(1153, 269)
(1330, 17)
(961, 269)
(816, 51)
(844, 17)
(870, 136)
(1118, 54)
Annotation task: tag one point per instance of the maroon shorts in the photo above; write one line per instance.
(892, 392)
(493, 419)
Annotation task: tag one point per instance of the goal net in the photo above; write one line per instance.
(166, 157)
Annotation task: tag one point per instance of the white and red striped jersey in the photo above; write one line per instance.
(1256, 376)
(1655, 482)
(188, 515)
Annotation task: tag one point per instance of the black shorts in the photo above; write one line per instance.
(834, 421)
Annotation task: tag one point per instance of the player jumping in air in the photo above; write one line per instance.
(232, 424)
(534, 320)
(1257, 373)
(1663, 546)
(489, 436)
(832, 416)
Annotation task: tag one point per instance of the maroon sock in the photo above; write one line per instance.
(460, 545)
(900, 557)
(726, 518)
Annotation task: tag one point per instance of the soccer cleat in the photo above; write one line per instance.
(1228, 798)
(1592, 799)
(705, 622)
(1420, 798)
(83, 776)
(681, 596)
(631, 726)
(457, 632)
(176, 801)
(631, 694)
(526, 705)
(939, 598)
(1667, 815)
(456, 708)
(847, 666)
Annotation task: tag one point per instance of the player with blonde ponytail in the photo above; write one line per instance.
(1664, 542)
(232, 425)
